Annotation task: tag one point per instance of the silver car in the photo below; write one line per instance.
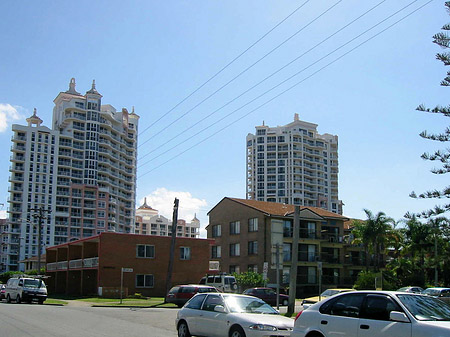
(231, 315)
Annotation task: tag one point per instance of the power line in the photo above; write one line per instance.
(260, 82)
(225, 67)
(242, 72)
(295, 85)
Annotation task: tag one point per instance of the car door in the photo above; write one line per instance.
(210, 322)
(192, 311)
(340, 316)
(374, 318)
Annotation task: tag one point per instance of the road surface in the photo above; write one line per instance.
(34, 320)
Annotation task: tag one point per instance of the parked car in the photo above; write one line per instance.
(325, 294)
(231, 315)
(179, 295)
(26, 288)
(441, 293)
(375, 314)
(413, 289)
(223, 282)
(268, 295)
(2, 292)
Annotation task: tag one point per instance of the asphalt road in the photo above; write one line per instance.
(26, 320)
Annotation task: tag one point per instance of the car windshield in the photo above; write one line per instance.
(329, 292)
(249, 305)
(432, 292)
(32, 283)
(425, 308)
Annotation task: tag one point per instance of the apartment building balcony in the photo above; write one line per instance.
(15, 189)
(18, 157)
(18, 138)
(18, 148)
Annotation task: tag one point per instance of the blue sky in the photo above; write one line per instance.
(153, 54)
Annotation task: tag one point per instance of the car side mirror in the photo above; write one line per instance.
(398, 316)
(20, 284)
(219, 308)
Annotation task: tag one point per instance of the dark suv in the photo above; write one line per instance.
(268, 295)
(179, 295)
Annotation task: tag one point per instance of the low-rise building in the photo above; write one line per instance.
(150, 222)
(94, 265)
(247, 234)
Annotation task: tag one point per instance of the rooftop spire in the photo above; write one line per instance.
(72, 85)
(34, 119)
(93, 90)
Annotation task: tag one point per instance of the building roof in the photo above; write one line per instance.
(277, 209)
(145, 206)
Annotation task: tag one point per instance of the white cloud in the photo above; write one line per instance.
(8, 114)
(162, 199)
(3, 215)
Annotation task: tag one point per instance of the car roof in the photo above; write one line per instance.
(438, 288)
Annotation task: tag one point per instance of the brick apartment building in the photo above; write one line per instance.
(93, 265)
(247, 232)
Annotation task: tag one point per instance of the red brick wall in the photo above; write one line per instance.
(119, 250)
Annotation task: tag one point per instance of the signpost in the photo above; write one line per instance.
(123, 270)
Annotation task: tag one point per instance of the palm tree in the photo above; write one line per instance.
(373, 233)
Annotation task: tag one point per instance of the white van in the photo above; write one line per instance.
(26, 288)
(223, 282)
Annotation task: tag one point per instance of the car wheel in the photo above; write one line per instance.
(41, 302)
(18, 299)
(285, 302)
(8, 298)
(237, 332)
(314, 334)
(183, 330)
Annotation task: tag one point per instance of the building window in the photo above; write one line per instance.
(185, 253)
(216, 231)
(235, 227)
(312, 275)
(253, 268)
(252, 247)
(145, 281)
(287, 249)
(234, 269)
(235, 249)
(147, 251)
(216, 252)
(253, 225)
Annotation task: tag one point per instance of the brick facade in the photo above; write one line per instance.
(82, 267)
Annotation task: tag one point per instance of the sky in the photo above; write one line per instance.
(199, 75)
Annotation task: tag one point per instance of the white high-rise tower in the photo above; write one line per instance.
(82, 173)
(293, 164)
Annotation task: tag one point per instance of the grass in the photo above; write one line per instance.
(55, 301)
(138, 302)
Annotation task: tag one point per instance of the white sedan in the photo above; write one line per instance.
(231, 315)
(375, 314)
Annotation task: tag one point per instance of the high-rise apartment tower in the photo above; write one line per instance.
(81, 173)
(293, 164)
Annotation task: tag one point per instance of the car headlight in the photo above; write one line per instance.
(262, 327)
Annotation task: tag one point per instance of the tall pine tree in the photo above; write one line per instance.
(442, 39)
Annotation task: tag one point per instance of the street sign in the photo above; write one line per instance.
(265, 270)
(214, 265)
(127, 270)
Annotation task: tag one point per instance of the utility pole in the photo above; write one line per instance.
(172, 244)
(40, 214)
(294, 262)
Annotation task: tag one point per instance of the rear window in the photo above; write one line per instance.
(230, 280)
(174, 290)
(187, 289)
